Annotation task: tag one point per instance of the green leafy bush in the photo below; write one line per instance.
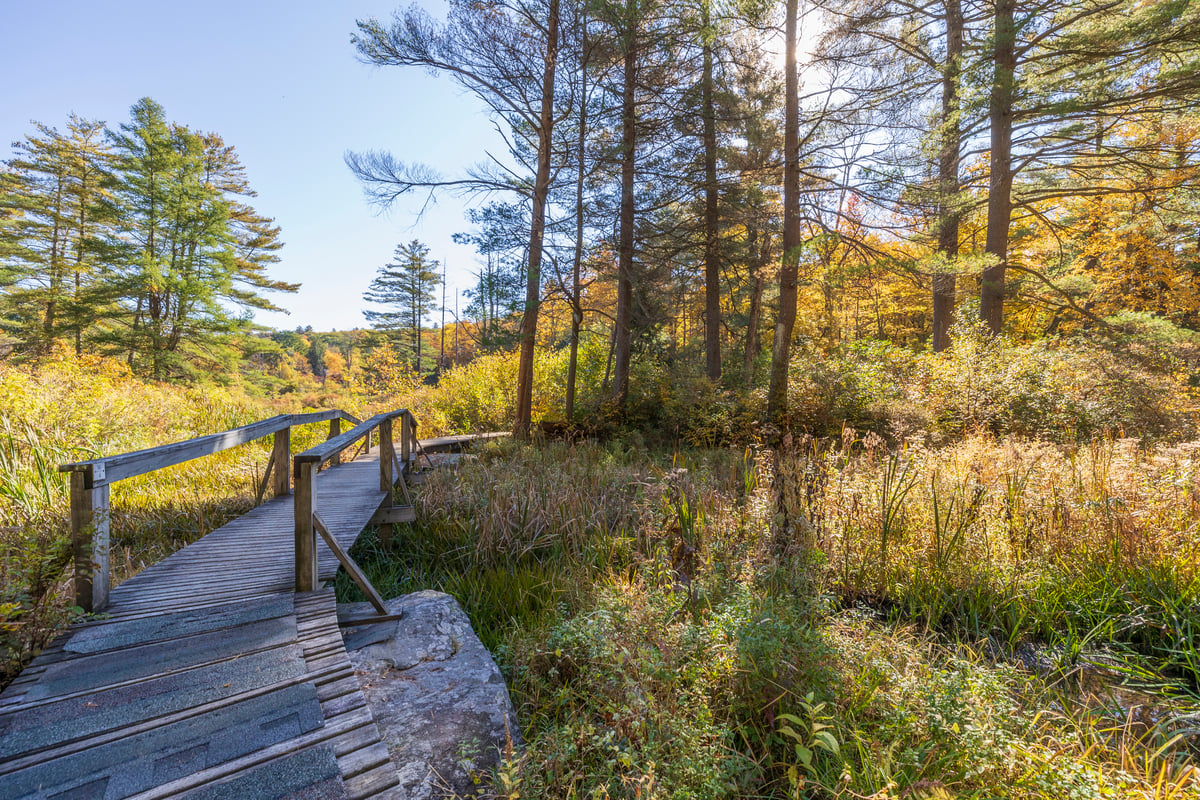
(1064, 390)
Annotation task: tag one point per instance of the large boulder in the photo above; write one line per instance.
(437, 696)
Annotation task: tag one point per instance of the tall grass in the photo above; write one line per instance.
(69, 409)
(508, 531)
(837, 619)
(659, 642)
(1019, 540)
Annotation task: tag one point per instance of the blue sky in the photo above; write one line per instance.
(279, 81)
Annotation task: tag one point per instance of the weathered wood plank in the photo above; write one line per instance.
(332, 730)
(281, 458)
(394, 514)
(335, 430)
(372, 783)
(447, 444)
(306, 551)
(78, 745)
(127, 465)
(387, 455)
(252, 557)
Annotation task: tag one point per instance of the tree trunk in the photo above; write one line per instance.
(541, 187)
(948, 184)
(712, 267)
(442, 348)
(788, 273)
(758, 263)
(57, 250)
(622, 334)
(416, 330)
(80, 238)
(577, 258)
(991, 297)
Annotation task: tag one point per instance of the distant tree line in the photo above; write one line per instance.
(136, 242)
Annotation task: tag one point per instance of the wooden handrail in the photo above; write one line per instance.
(330, 448)
(306, 467)
(110, 469)
(90, 481)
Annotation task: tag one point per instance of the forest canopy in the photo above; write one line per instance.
(689, 189)
(1033, 167)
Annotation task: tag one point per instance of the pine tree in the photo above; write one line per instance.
(789, 268)
(186, 246)
(406, 288)
(506, 54)
(497, 294)
(51, 195)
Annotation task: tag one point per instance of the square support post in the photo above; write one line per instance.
(90, 538)
(335, 428)
(406, 439)
(306, 542)
(283, 458)
(387, 456)
(387, 476)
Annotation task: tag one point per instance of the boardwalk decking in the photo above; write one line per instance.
(208, 677)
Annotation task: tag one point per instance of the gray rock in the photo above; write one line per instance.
(437, 696)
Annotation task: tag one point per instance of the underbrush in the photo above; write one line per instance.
(1068, 390)
(982, 596)
(670, 628)
(1017, 540)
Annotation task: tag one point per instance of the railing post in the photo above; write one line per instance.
(283, 458)
(335, 428)
(387, 476)
(406, 435)
(89, 534)
(387, 456)
(306, 544)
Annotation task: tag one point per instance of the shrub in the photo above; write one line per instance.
(1062, 389)
(857, 384)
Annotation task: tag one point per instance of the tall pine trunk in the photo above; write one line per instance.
(757, 265)
(712, 267)
(788, 273)
(577, 258)
(948, 183)
(991, 294)
(537, 229)
(622, 334)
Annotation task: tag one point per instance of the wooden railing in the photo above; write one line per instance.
(308, 518)
(90, 482)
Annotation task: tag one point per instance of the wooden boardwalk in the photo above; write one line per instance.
(208, 677)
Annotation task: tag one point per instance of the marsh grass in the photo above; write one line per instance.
(658, 641)
(839, 619)
(1020, 540)
(510, 530)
